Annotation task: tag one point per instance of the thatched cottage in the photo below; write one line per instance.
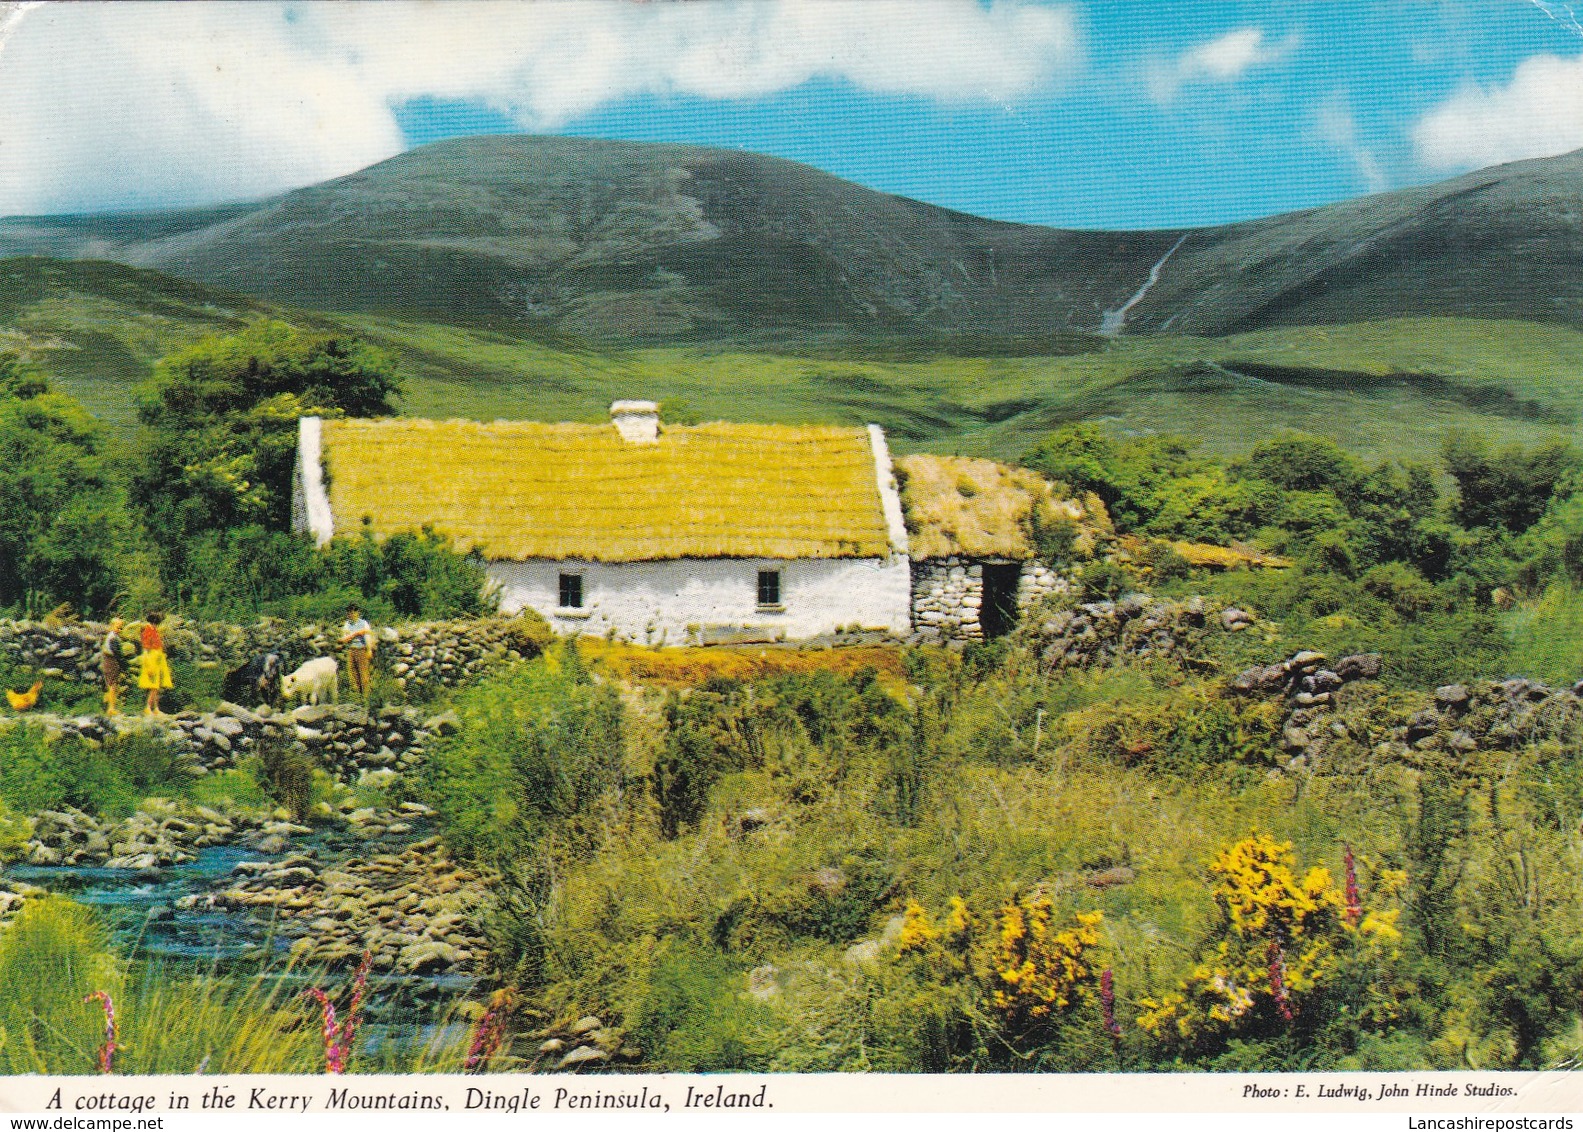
(674, 534)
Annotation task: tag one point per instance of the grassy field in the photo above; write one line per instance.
(1387, 388)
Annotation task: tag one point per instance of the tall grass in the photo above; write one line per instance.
(43, 772)
(56, 953)
(52, 956)
(1547, 636)
(539, 742)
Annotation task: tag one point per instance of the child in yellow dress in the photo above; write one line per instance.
(154, 673)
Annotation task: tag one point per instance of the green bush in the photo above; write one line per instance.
(216, 454)
(834, 903)
(686, 1007)
(411, 574)
(63, 520)
(286, 775)
(1509, 489)
(38, 772)
(540, 744)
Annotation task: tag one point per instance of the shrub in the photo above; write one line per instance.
(62, 517)
(1508, 489)
(42, 773)
(704, 740)
(1106, 581)
(220, 436)
(286, 775)
(685, 1007)
(1023, 975)
(1270, 963)
(1184, 731)
(1402, 588)
(539, 744)
(412, 574)
(1298, 462)
(528, 633)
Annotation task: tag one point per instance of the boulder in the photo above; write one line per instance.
(1235, 620)
(1452, 696)
(427, 957)
(1360, 666)
(582, 1055)
(446, 723)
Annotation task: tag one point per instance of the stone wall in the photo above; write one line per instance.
(352, 744)
(948, 594)
(421, 656)
(1136, 627)
(1040, 581)
(1460, 720)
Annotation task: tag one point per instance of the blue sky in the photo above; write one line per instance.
(1155, 113)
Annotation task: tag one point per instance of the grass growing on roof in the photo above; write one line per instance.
(520, 489)
(966, 506)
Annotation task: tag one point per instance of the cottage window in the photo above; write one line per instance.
(769, 589)
(571, 591)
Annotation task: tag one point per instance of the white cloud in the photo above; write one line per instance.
(1336, 126)
(1538, 113)
(125, 105)
(1224, 59)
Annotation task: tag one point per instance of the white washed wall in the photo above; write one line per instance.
(666, 602)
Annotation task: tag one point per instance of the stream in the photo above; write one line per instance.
(139, 906)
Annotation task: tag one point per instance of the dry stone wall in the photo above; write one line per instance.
(421, 656)
(347, 741)
(1135, 627)
(1462, 719)
(948, 597)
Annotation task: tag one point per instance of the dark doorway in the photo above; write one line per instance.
(999, 612)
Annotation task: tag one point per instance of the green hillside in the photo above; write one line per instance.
(1383, 388)
(629, 242)
(98, 328)
(1388, 387)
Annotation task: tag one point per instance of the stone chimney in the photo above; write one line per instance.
(638, 422)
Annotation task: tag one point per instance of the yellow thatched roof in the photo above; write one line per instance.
(957, 505)
(520, 489)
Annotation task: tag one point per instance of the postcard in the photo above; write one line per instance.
(616, 558)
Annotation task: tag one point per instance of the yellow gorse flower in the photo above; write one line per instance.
(917, 929)
(1038, 970)
(1262, 896)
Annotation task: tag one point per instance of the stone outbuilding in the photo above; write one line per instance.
(648, 532)
(987, 541)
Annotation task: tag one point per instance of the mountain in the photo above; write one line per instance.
(609, 240)
(97, 328)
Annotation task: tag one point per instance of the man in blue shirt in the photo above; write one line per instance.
(358, 637)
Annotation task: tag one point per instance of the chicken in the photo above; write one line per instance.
(23, 701)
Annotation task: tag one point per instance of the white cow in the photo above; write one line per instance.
(315, 678)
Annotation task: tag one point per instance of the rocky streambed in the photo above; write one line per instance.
(370, 880)
(413, 911)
